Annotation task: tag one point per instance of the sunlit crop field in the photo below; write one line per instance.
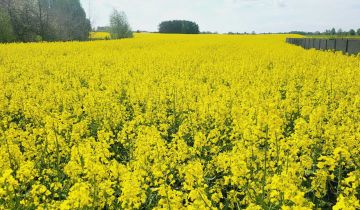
(178, 122)
(99, 35)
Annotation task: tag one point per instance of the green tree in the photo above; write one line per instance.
(179, 26)
(23, 18)
(49, 20)
(119, 26)
(6, 30)
(69, 20)
(333, 31)
(44, 18)
(358, 32)
(352, 32)
(339, 32)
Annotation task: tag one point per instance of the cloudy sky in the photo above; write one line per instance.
(232, 15)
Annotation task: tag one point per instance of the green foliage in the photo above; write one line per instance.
(45, 20)
(119, 26)
(179, 27)
(352, 32)
(70, 20)
(6, 30)
(333, 31)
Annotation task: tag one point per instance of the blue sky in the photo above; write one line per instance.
(232, 15)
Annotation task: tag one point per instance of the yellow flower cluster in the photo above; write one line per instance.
(178, 122)
(99, 35)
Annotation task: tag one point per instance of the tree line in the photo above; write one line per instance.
(331, 32)
(43, 20)
(120, 28)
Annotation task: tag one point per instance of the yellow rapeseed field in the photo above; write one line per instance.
(178, 122)
(99, 35)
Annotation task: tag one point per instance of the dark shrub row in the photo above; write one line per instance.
(179, 27)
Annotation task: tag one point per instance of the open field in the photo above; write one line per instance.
(178, 122)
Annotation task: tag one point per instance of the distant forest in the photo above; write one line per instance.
(43, 20)
(331, 32)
